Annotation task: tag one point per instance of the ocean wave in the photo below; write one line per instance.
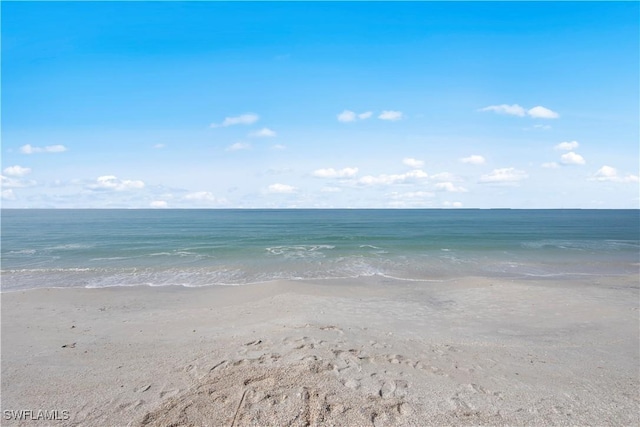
(22, 252)
(310, 262)
(179, 253)
(70, 247)
(299, 251)
(582, 245)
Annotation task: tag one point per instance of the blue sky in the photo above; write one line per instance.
(259, 105)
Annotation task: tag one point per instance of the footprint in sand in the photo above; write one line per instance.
(331, 328)
(394, 388)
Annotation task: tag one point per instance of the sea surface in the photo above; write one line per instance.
(99, 248)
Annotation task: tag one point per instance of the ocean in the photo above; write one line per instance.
(100, 248)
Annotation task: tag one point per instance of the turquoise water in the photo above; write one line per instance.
(97, 248)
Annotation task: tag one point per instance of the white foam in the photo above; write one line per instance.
(70, 246)
(23, 252)
(299, 251)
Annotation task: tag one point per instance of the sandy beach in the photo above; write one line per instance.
(473, 351)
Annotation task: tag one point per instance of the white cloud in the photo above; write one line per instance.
(333, 173)
(450, 187)
(610, 174)
(55, 148)
(606, 173)
(281, 188)
(16, 171)
(413, 163)
(385, 179)
(473, 159)
(278, 147)
(201, 196)
(567, 146)
(550, 165)
(347, 116)
(350, 116)
(159, 146)
(391, 115)
(541, 112)
(30, 149)
(542, 127)
(538, 112)
(511, 110)
(503, 176)
(8, 195)
(452, 204)
(238, 146)
(112, 183)
(572, 158)
(244, 119)
(158, 204)
(263, 133)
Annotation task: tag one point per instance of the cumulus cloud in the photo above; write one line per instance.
(16, 171)
(550, 165)
(281, 189)
(112, 183)
(347, 116)
(450, 187)
(567, 146)
(350, 116)
(158, 204)
(238, 146)
(541, 112)
(473, 159)
(30, 149)
(8, 195)
(572, 158)
(263, 133)
(391, 115)
(610, 174)
(503, 176)
(384, 179)
(538, 112)
(335, 173)
(413, 163)
(243, 119)
(511, 110)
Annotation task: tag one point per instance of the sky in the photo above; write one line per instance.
(320, 105)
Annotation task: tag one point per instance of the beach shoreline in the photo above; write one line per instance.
(465, 351)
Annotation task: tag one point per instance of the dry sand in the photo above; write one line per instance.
(476, 351)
